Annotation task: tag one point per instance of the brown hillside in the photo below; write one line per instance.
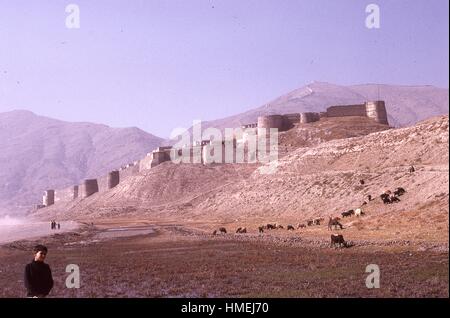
(310, 182)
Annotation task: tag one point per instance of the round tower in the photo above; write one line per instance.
(48, 198)
(90, 186)
(113, 179)
(309, 117)
(269, 121)
(377, 111)
(75, 192)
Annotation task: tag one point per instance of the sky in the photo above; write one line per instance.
(161, 64)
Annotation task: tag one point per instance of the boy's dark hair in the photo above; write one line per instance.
(40, 248)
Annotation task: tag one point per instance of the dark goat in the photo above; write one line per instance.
(399, 191)
(348, 213)
(338, 239)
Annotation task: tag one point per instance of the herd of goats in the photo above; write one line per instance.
(388, 197)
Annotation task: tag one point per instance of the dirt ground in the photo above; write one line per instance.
(167, 259)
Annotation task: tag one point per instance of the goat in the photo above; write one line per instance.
(359, 212)
(334, 222)
(338, 239)
(347, 213)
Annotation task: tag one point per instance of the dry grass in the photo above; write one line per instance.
(173, 265)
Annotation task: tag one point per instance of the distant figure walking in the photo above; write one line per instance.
(59, 226)
(38, 276)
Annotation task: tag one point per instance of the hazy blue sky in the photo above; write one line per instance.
(159, 64)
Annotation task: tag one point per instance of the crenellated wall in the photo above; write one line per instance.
(347, 110)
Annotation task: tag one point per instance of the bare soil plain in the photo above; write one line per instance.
(183, 261)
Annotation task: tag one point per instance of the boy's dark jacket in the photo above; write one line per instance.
(38, 279)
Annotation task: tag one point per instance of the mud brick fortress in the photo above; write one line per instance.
(375, 110)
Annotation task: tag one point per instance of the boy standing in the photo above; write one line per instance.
(38, 276)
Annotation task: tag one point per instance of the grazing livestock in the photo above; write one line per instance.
(334, 222)
(369, 198)
(215, 232)
(389, 198)
(386, 198)
(411, 169)
(271, 226)
(399, 192)
(290, 228)
(359, 212)
(301, 226)
(316, 222)
(347, 213)
(280, 227)
(364, 203)
(261, 229)
(338, 239)
(241, 230)
(309, 222)
(223, 230)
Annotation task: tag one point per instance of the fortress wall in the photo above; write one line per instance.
(196, 151)
(347, 110)
(130, 171)
(290, 120)
(248, 133)
(373, 109)
(208, 151)
(65, 195)
(145, 163)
